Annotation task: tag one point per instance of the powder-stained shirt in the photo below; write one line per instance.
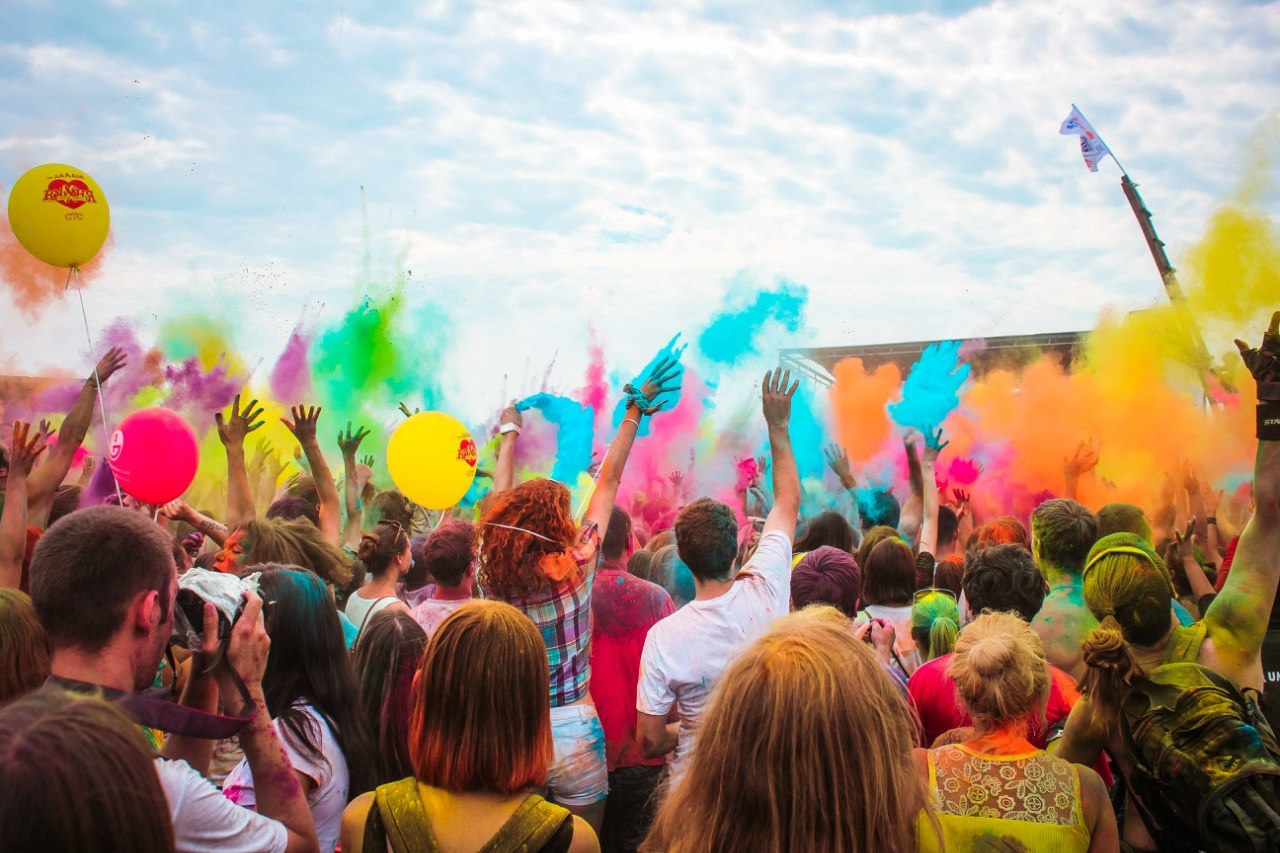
(685, 654)
(624, 608)
(562, 614)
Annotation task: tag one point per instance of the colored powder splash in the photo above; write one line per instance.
(291, 376)
(33, 283)
(859, 402)
(932, 389)
(575, 425)
(674, 350)
(736, 331)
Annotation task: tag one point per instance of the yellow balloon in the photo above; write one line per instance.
(432, 459)
(59, 214)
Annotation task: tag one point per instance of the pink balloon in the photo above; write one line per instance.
(154, 455)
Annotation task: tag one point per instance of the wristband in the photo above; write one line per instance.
(1211, 520)
(1269, 420)
(506, 429)
(632, 421)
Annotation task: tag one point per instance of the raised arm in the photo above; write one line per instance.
(933, 445)
(303, 427)
(232, 431)
(1241, 610)
(776, 395)
(838, 462)
(349, 443)
(44, 481)
(639, 403)
(26, 448)
(504, 469)
(180, 510)
(913, 509)
(1084, 460)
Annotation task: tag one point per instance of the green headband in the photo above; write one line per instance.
(1120, 549)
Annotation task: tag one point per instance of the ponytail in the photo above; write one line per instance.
(942, 636)
(1111, 667)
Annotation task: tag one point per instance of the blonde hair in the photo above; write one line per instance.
(999, 669)
(806, 745)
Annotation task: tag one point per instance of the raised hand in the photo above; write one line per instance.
(238, 423)
(177, 510)
(838, 461)
(776, 394)
(961, 502)
(27, 447)
(661, 380)
(109, 364)
(1264, 362)
(367, 460)
(303, 425)
(1212, 500)
(407, 413)
(511, 415)
(677, 479)
(349, 442)
(1084, 460)
(933, 445)
(86, 469)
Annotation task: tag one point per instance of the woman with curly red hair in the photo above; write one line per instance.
(535, 556)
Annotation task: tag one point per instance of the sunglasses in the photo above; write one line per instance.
(930, 590)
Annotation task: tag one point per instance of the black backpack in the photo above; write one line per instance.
(1205, 765)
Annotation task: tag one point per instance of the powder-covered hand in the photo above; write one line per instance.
(1264, 362)
(238, 423)
(303, 425)
(776, 393)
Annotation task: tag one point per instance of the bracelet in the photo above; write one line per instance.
(1211, 520)
(635, 421)
(1269, 420)
(506, 429)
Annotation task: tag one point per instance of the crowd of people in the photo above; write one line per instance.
(331, 672)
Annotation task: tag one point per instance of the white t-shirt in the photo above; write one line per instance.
(431, 612)
(327, 799)
(685, 653)
(204, 820)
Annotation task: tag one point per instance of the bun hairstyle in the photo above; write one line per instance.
(999, 669)
(382, 545)
(1129, 590)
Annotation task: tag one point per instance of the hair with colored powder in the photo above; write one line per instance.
(1004, 578)
(640, 564)
(827, 575)
(392, 506)
(65, 762)
(878, 507)
(999, 669)
(935, 622)
(295, 543)
(289, 508)
(668, 571)
(387, 655)
(827, 528)
(469, 730)
(1001, 531)
(1128, 589)
(449, 551)
(872, 538)
(777, 795)
(514, 563)
(24, 647)
(949, 573)
(889, 576)
(1064, 532)
(617, 536)
(1123, 518)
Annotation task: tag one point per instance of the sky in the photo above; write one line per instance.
(547, 170)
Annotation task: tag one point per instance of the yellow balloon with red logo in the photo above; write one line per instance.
(432, 459)
(59, 214)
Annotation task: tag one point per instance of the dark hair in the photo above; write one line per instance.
(65, 501)
(449, 551)
(76, 774)
(289, 508)
(207, 560)
(295, 543)
(949, 573)
(1004, 530)
(871, 538)
(668, 571)
(618, 534)
(309, 663)
(418, 575)
(24, 647)
(1064, 533)
(305, 488)
(707, 539)
(90, 566)
(948, 525)
(387, 654)
(640, 564)
(878, 507)
(827, 575)
(393, 506)
(1123, 518)
(826, 528)
(889, 576)
(379, 547)
(1004, 578)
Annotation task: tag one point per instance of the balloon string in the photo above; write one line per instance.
(102, 403)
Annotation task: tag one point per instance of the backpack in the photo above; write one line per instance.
(1205, 764)
(399, 818)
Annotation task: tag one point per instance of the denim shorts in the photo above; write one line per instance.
(578, 774)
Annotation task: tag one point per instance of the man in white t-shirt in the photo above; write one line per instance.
(685, 653)
(103, 584)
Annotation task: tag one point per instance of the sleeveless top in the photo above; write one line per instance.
(399, 818)
(1015, 802)
(360, 610)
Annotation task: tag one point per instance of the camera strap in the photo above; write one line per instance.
(167, 716)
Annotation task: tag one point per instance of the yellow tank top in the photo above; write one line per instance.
(1003, 802)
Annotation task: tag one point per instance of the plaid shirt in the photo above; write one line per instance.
(562, 615)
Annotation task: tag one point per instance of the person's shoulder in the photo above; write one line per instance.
(931, 670)
(354, 818)
(584, 837)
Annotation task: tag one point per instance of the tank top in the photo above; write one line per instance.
(360, 610)
(1029, 802)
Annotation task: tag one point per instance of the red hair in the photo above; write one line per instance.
(514, 563)
(481, 720)
(1005, 530)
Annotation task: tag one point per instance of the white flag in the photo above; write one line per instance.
(1093, 148)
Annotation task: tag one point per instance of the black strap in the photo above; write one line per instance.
(168, 716)
(369, 612)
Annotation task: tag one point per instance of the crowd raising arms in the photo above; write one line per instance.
(501, 735)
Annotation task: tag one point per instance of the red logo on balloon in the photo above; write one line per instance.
(72, 194)
(467, 452)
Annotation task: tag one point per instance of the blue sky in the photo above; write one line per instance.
(545, 166)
